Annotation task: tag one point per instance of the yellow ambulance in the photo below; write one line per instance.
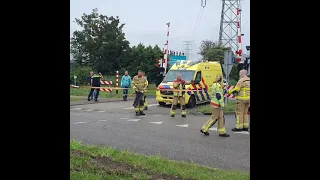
(199, 76)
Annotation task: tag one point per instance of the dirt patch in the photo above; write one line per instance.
(122, 168)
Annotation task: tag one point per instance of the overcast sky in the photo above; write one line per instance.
(146, 20)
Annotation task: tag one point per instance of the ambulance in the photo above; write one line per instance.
(199, 77)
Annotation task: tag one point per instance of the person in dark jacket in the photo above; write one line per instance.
(95, 82)
(89, 83)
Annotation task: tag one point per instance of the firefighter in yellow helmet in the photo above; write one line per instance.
(145, 93)
(217, 104)
(178, 84)
(139, 85)
(242, 93)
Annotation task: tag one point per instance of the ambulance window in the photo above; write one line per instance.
(198, 77)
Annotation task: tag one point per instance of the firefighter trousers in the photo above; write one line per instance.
(175, 100)
(242, 119)
(138, 102)
(217, 115)
(145, 102)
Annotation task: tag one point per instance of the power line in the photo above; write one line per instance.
(188, 48)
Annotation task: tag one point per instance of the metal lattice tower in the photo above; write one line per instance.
(228, 34)
(187, 49)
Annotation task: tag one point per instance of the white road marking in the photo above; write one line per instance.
(157, 115)
(183, 125)
(102, 111)
(150, 105)
(88, 110)
(159, 122)
(76, 108)
(79, 122)
(242, 132)
(102, 120)
(79, 114)
(213, 129)
(134, 120)
(124, 118)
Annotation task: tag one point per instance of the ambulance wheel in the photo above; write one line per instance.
(162, 103)
(192, 102)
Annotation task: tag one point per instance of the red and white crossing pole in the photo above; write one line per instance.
(165, 56)
(239, 52)
(117, 81)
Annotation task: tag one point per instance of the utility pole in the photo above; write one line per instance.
(230, 29)
(188, 48)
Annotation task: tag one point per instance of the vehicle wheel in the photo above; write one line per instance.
(192, 102)
(162, 103)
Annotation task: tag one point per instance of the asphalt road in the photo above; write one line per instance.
(114, 124)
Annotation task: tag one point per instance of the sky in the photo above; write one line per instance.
(145, 20)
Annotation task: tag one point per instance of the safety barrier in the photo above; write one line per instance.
(108, 89)
(177, 90)
(230, 96)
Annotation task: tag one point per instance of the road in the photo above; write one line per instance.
(114, 124)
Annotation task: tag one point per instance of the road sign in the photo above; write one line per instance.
(228, 55)
(227, 69)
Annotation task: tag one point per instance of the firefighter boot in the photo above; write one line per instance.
(224, 135)
(137, 113)
(245, 129)
(236, 130)
(142, 113)
(205, 133)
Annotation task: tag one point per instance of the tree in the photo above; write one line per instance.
(212, 51)
(143, 58)
(100, 44)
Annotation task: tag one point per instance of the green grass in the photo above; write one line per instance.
(77, 98)
(96, 162)
(231, 107)
(84, 91)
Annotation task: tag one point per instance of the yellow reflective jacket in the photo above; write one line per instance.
(139, 83)
(147, 83)
(178, 86)
(217, 91)
(243, 89)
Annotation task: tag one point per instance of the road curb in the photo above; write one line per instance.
(75, 103)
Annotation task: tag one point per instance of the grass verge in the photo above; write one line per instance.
(77, 98)
(85, 92)
(95, 162)
(231, 107)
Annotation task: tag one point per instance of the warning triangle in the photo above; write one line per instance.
(159, 122)
(183, 125)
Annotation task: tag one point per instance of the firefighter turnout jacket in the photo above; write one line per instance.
(242, 89)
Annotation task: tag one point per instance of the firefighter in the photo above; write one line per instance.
(217, 104)
(178, 84)
(242, 93)
(95, 82)
(139, 85)
(145, 93)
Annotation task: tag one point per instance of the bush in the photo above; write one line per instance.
(82, 74)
